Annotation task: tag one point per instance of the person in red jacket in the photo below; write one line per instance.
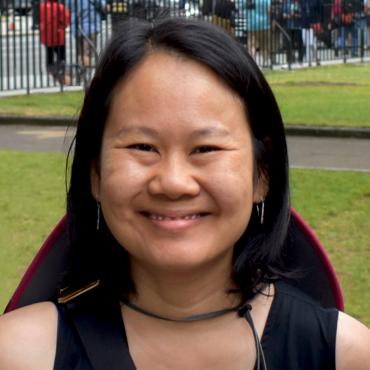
(54, 19)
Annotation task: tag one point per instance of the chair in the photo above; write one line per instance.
(304, 254)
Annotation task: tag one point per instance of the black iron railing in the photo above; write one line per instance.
(54, 43)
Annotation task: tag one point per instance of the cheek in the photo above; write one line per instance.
(122, 182)
(233, 186)
(238, 172)
(121, 179)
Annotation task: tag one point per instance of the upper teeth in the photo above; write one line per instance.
(162, 218)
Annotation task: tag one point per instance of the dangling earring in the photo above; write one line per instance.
(261, 211)
(97, 216)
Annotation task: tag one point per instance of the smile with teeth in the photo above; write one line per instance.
(175, 221)
(166, 218)
(158, 217)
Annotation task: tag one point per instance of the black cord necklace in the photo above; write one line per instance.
(198, 317)
(243, 310)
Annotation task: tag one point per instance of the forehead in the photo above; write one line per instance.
(171, 59)
(161, 70)
(166, 86)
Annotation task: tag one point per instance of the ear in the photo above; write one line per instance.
(261, 188)
(95, 180)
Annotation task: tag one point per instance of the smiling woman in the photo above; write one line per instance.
(178, 212)
(172, 148)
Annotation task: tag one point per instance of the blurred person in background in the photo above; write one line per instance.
(349, 14)
(54, 19)
(310, 10)
(259, 30)
(224, 15)
(277, 27)
(118, 11)
(360, 26)
(292, 14)
(367, 13)
(86, 24)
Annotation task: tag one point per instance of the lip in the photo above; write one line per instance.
(174, 220)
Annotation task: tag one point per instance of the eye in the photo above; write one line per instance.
(205, 149)
(143, 147)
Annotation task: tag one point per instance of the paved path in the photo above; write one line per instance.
(329, 153)
(304, 152)
(36, 138)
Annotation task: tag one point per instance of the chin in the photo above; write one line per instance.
(184, 259)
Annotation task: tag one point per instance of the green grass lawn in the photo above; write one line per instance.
(329, 95)
(336, 204)
(31, 202)
(66, 104)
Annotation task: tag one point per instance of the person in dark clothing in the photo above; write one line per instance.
(224, 15)
(310, 16)
(350, 17)
(292, 15)
(367, 17)
(118, 10)
(178, 218)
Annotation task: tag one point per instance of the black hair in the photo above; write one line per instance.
(96, 254)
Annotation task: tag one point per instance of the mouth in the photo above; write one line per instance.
(161, 217)
(174, 221)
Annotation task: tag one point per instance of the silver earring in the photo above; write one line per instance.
(97, 216)
(261, 211)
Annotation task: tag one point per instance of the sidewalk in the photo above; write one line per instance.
(330, 153)
(292, 130)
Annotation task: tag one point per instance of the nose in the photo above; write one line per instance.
(174, 178)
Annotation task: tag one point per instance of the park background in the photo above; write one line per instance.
(335, 203)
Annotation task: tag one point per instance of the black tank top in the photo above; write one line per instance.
(299, 335)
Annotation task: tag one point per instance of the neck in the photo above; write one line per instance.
(186, 293)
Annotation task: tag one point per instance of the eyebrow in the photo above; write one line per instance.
(210, 132)
(202, 132)
(138, 129)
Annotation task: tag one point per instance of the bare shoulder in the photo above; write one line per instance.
(353, 343)
(28, 337)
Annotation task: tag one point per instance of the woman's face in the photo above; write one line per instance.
(175, 177)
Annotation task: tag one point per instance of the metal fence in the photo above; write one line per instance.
(55, 43)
